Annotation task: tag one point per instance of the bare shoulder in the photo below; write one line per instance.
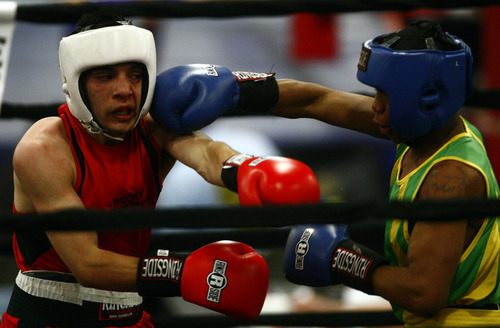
(47, 132)
(45, 139)
(453, 179)
(44, 169)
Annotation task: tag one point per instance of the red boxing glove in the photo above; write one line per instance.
(228, 277)
(270, 180)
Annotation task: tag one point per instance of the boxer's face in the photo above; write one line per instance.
(114, 93)
(381, 108)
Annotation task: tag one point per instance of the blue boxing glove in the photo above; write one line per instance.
(322, 255)
(190, 97)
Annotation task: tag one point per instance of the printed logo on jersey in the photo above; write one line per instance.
(302, 248)
(108, 311)
(161, 268)
(363, 58)
(351, 263)
(210, 70)
(135, 199)
(216, 281)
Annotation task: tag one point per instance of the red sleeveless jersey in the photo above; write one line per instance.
(108, 177)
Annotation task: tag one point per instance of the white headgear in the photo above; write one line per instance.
(104, 46)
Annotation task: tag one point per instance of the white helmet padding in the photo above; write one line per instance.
(101, 47)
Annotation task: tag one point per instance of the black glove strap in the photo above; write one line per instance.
(229, 174)
(259, 92)
(160, 275)
(353, 265)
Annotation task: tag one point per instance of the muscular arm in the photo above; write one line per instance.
(435, 248)
(202, 154)
(44, 174)
(347, 110)
(195, 150)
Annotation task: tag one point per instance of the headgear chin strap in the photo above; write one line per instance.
(101, 47)
(425, 87)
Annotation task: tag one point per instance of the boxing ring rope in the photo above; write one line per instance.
(268, 222)
(63, 13)
(488, 99)
(250, 217)
(268, 219)
(59, 13)
(340, 319)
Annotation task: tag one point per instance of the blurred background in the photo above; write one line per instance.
(321, 48)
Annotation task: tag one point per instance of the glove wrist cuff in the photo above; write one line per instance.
(353, 265)
(159, 275)
(229, 174)
(259, 92)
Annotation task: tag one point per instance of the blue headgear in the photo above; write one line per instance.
(425, 87)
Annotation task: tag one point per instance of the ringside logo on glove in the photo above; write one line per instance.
(236, 160)
(351, 262)
(251, 76)
(216, 281)
(210, 70)
(259, 160)
(302, 248)
(161, 267)
(363, 59)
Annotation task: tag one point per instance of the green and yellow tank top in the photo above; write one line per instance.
(476, 281)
